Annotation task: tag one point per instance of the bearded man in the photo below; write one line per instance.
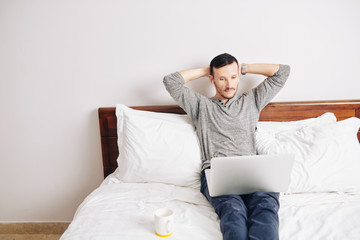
(225, 125)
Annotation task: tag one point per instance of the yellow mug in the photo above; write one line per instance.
(164, 222)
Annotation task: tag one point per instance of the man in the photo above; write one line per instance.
(225, 125)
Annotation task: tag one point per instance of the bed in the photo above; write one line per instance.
(151, 160)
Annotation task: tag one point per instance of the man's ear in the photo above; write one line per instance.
(211, 77)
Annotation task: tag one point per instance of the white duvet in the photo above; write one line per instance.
(119, 210)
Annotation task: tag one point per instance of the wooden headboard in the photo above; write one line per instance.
(276, 111)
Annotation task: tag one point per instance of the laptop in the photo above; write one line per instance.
(247, 174)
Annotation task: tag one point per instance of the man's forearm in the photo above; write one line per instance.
(192, 74)
(262, 68)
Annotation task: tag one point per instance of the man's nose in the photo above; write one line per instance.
(228, 84)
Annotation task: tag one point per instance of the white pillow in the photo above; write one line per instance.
(327, 155)
(157, 147)
(291, 125)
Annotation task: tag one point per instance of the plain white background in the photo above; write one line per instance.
(61, 60)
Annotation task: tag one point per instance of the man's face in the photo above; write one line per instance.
(226, 81)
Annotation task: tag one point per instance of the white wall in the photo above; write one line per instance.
(61, 60)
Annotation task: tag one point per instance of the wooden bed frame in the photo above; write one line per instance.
(276, 111)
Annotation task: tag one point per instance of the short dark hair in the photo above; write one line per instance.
(221, 61)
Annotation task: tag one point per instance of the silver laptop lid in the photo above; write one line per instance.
(246, 174)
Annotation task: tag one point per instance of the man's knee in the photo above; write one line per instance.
(231, 206)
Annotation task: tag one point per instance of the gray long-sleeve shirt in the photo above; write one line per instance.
(225, 129)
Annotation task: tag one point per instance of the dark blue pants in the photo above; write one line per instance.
(250, 216)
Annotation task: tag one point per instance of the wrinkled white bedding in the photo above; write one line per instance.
(119, 210)
(319, 216)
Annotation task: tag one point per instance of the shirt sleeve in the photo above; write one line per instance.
(185, 98)
(268, 89)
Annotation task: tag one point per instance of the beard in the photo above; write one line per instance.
(226, 95)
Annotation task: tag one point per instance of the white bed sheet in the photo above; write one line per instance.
(320, 216)
(118, 210)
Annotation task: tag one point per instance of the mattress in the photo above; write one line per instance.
(118, 210)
